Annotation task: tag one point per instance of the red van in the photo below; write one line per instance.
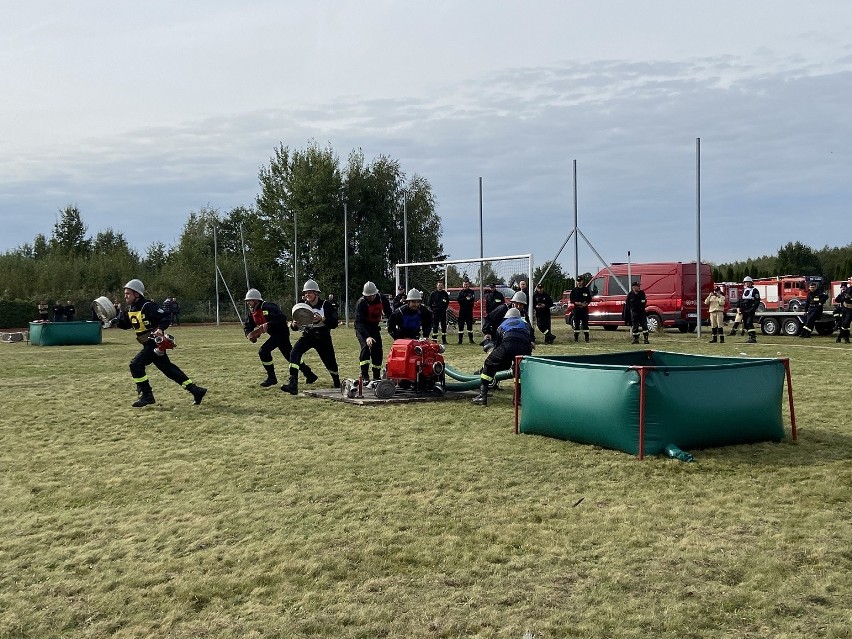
(669, 287)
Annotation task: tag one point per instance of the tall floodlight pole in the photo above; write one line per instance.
(576, 245)
(405, 233)
(296, 254)
(481, 255)
(216, 273)
(698, 236)
(245, 263)
(346, 261)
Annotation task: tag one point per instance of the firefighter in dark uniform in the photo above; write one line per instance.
(493, 298)
(70, 311)
(439, 302)
(813, 309)
(838, 307)
(399, 299)
(316, 335)
(58, 312)
(493, 320)
(749, 302)
(466, 299)
(513, 337)
(150, 321)
(581, 296)
(267, 317)
(43, 312)
(845, 301)
(412, 320)
(542, 302)
(635, 303)
(368, 329)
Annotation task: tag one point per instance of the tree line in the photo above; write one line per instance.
(293, 231)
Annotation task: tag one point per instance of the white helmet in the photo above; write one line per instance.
(136, 285)
(413, 295)
(369, 289)
(519, 298)
(747, 279)
(513, 312)
(253, 294)
(311, 285)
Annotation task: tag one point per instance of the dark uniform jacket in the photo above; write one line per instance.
(542, 303)
(493, 299)
(466, 299)
(270, 314)
(439, 301)
(368, 315)
(143, 316)
(749, 300)
(409, 323)
(815, 301)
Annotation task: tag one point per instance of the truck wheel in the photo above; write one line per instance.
(825, 329)
(610, 327)
(794, 305)
(655, 323)
(791, 327)
(770, 326)
(761, 307)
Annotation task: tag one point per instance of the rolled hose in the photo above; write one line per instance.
(469, 381)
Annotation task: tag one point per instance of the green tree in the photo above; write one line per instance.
(69, 234)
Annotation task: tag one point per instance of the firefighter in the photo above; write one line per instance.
(635, 303)
(542, 303)
(439, 301)
(316, 335)
(150, 322)
(58, 311)
(716, 306)
(513, 337)
(523, 287)
(838, 306)
(399, 298)
(813, 309)
(493, 298)
(466, 299)
(845, 301)
(412, 320)
(43, 312)
(748, 305)
(493, 320)
(581, 296)
(368, 329)
(70, 311)
(267, 317)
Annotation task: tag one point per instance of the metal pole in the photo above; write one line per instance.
(346, 260)
(576, 244)
(698, 237)
(216, 269)
(296, 254)
(245, 263)
(481, 255)
(405, 232)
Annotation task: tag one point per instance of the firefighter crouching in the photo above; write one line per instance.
(150, 321)
(316, 335)
(411, 320)
(513, 337)
(267, 317)
(813, 309)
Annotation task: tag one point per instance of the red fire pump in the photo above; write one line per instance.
(416, 364)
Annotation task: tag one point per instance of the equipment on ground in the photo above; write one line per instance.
(416, 364)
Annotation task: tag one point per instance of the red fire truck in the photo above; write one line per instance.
(784, 292)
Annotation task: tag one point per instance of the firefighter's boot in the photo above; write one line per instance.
(635, 339)
(576, 337)
(461, 338)
(365, 373)
(292, 386)
(586, 337)
(733, 329)
(377, 373)
(713, 340)
(839, 337)
(335, 380)
(482, 398)
(197, 392)
(146, 395)
(721, 335)
(271, 379)
(443, 338)
(752, 338)
(470, 337)
(645, 338)
(310, 376)
(846, 335)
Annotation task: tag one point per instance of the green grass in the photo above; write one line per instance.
(259, 514)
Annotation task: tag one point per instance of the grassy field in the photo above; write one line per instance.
(259, 514)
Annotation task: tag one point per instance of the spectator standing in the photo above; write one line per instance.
(636, 302)
(466, 299)
(493, 298)
(70, 311)
(167, 306)
(844, 299)
(439, 301)
(175, 311)
(399, 299)
(58, 312)
(43, 311)
(542, 302)
(581, 296)
(716, 305)
(748, 305)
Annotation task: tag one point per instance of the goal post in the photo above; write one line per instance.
(505, 271)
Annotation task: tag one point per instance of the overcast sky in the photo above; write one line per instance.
(140, 113)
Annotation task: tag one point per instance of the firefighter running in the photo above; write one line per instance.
(316, 335)
(513, 337)
(368, 329)
(267, 317)
(150, 321)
